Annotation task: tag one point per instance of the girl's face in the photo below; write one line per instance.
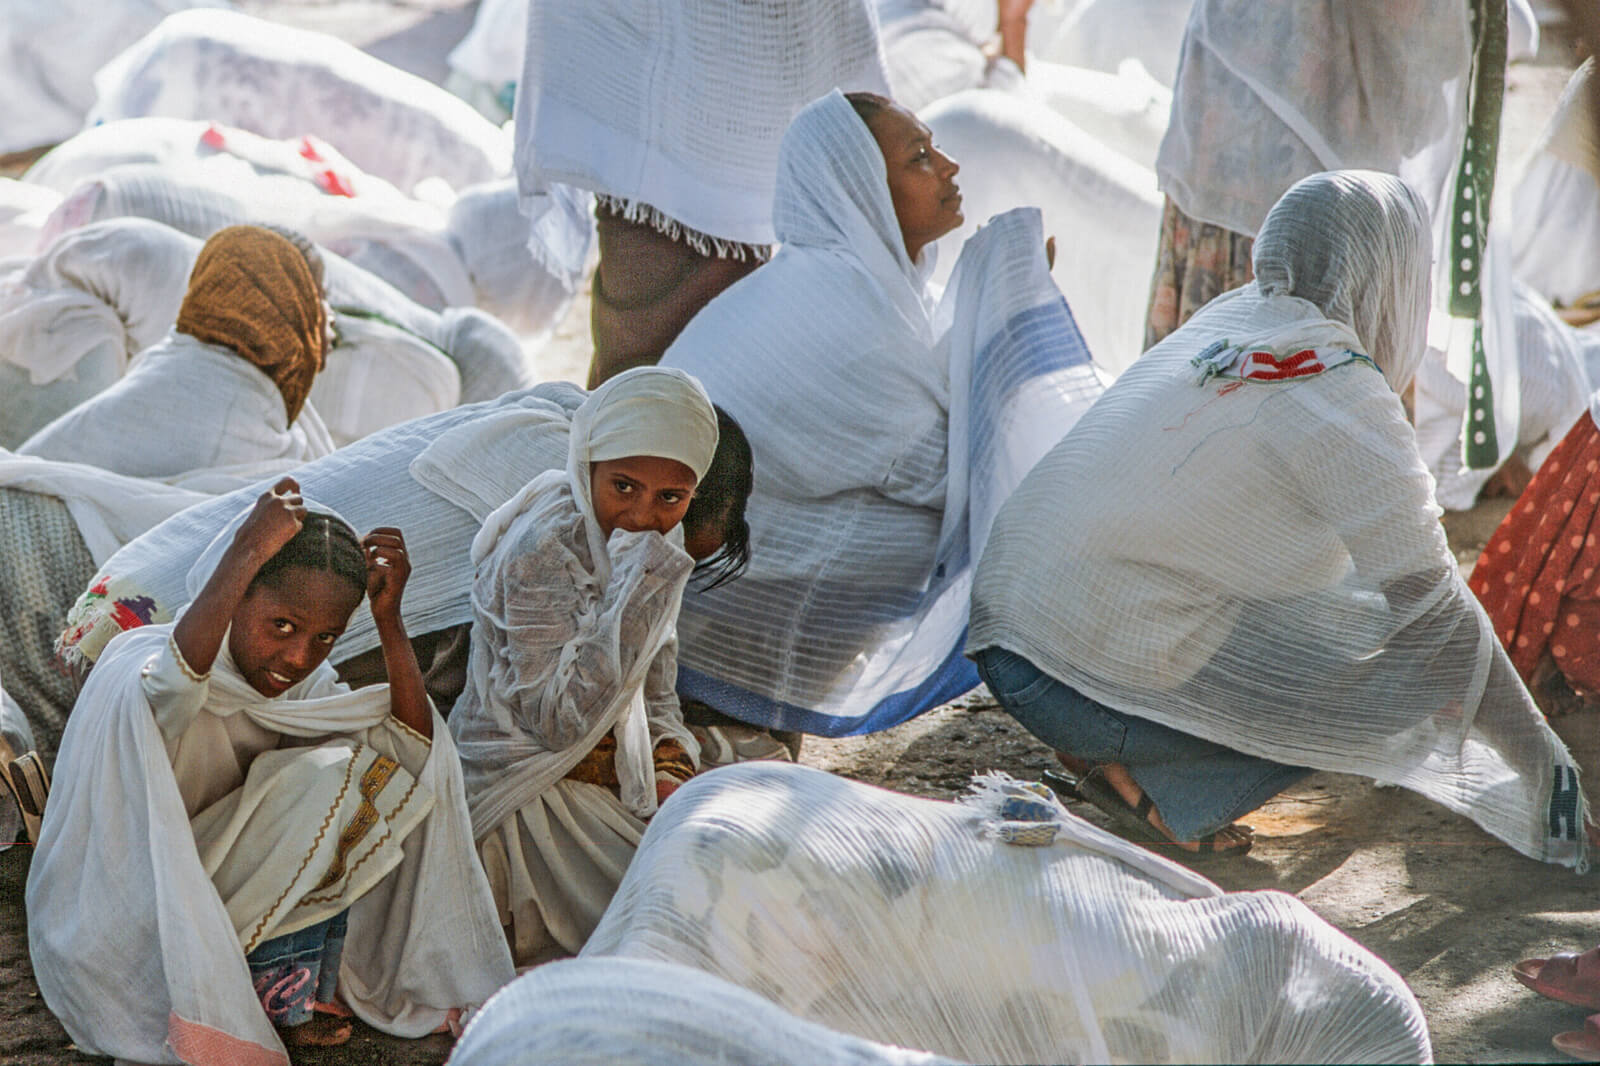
(927, 201)
(640, 493)
(285, 629)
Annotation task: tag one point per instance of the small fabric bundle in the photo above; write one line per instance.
(254, 292)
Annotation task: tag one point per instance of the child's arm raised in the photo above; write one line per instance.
(388, 567)
(276, 518)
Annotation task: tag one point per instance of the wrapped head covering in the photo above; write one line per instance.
(1356, 244)
(253, 291)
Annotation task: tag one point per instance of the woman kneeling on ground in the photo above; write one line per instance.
(1232, 567)
(569, 728)
(275, 840)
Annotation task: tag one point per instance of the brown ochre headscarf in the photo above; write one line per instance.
(253, 291)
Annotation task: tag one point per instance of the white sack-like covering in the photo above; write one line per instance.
(110, 509)
(284, 82)
(72, 316)
(213, 413)
(597, 1012)
(23, 210)
(933, 49)
(885, 437)
(905, 921)
(439, 504)
(485, 65)
(1555, 243)
(1103, 210)
(1554, 383)
(155, 971)
(1260, 563)
(486, 353)
(523, 269)
(49, 51)
(379, 375)
(1102, 34)
(604, 100)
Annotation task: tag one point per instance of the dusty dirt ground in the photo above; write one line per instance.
(1447, 906)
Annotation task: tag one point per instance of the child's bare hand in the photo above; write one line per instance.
(273, 522)
(388, 567)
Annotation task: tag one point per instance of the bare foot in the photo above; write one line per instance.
(1236, 837)
(321, 1031)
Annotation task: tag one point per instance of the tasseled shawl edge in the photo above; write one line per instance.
(667, 226)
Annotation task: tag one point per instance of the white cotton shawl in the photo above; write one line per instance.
(644, 411)
(379, 374)
(904, 921)
(681, 107)
(156, 970)
(1260, 564)
(884, 435)
(597, 1012)
(187, 409)
(281, 81)
(449, 471)
(1552, 250)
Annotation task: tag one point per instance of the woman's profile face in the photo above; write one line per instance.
(640, 493)
(922, 186)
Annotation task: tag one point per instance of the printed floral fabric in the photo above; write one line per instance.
(1195, 263)
(292, 973)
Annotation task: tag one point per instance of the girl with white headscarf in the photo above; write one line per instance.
(1232, 566)
(569, 728)
(274, 838)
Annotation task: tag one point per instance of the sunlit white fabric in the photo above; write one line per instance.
(1261, 564)
(603, 100)
(1102, 209)
(595, 1012)
(886, 429)
(49, 51)
(72, 316)
(848, 906)
(186, 408)
(281, 81)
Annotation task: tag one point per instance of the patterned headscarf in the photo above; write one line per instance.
(253, 291)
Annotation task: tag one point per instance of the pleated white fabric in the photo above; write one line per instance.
(444, 500)
(1553, 250)
(281, 81)
(1553, 376)
(379, 374)
(23, 210)
(155, 972)
(905, 921)
(72, 316)
(603, 100)
(595, 1012)
(191, 411)
(1260, 563)
(886, 431)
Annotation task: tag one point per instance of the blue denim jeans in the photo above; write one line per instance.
(1197, 786)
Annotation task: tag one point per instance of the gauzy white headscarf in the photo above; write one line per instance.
(651, 411)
